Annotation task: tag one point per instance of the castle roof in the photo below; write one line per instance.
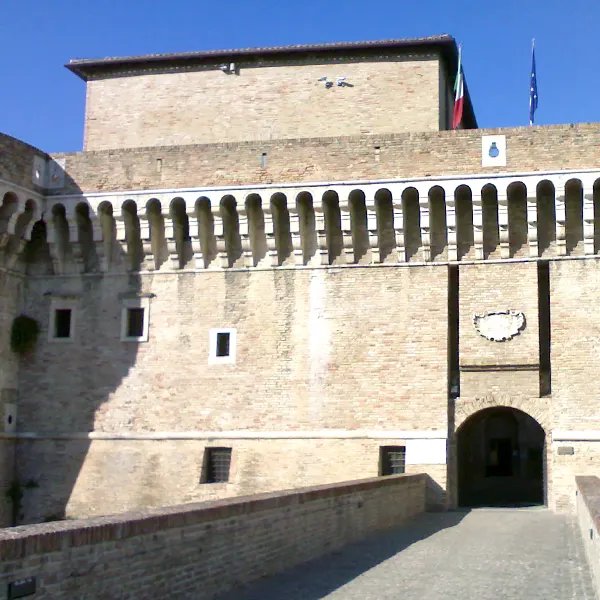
(92, 68)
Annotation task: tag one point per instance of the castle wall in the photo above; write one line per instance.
(320, 353)
(17, 187)
(16, 162)
(262, 101)
(11, 285)
(499, 368)
(373, 157)
(574, 292)
(10, 296)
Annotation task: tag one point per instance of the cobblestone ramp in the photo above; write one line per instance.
(481, 554)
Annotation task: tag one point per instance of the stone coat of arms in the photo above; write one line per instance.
(499, 326)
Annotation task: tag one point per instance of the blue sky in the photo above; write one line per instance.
(42, 103)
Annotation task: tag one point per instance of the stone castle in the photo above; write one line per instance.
(279, 267)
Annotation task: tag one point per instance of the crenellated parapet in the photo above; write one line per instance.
(480, 218)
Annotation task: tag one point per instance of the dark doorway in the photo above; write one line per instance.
(500, 459)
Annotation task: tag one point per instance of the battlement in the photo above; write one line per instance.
(541, 215)
(262, 210)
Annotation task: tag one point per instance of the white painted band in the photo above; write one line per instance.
(585, 435)
(326, 434)
(300, 186)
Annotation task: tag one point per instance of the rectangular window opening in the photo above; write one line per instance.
(453, 333)
(135, 322)
(217, 462)
(545, 334)
(392, 460)
(62, 323)
(223, 339)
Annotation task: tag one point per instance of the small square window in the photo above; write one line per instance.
(61, 327)
(62, 323)
(217, 462)
(135, 315)
(392, 460)
(222, 346)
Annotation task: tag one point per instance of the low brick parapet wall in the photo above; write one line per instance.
(201, 550)
(334, 159)
(588, 514)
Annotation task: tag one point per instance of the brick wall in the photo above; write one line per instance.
(588, 513)
(10, 292)
(402, 155)
(7, 474)
(81, 478)
(264, 101)
(497, 287)
(585, 461)
(574, 289)
(323, 350)
(16, 161)
(574, 292)
(198, 551)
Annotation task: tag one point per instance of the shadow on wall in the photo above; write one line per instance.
(316, 579)
(435, 495)
(81, 356)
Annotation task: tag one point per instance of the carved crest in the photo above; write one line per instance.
(499, 326)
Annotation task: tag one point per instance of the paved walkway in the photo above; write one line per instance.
(483, 554)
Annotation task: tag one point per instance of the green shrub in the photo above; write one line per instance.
(24, 334)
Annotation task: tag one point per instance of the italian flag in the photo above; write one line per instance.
(459, 92)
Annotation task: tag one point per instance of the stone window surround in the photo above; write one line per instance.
(213, 359)
(136, 302)
(62, 303)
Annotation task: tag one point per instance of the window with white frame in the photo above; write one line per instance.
(61, 327)
(222, 346)
(135, 319)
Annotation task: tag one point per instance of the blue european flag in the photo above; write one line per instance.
(533, 94)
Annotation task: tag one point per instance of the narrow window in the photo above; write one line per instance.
(135, 322)
(62, 323)
(453, 333)
(62, 320)
(135, 315)
(392, 460)
(545, 334)
(216, 465)
(223, 343)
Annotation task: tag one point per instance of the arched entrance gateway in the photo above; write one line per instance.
(500, 454)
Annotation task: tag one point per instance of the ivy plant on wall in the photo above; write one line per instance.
(24, 334)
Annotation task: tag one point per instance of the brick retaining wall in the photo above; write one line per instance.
(200, 550)
(588, 513)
